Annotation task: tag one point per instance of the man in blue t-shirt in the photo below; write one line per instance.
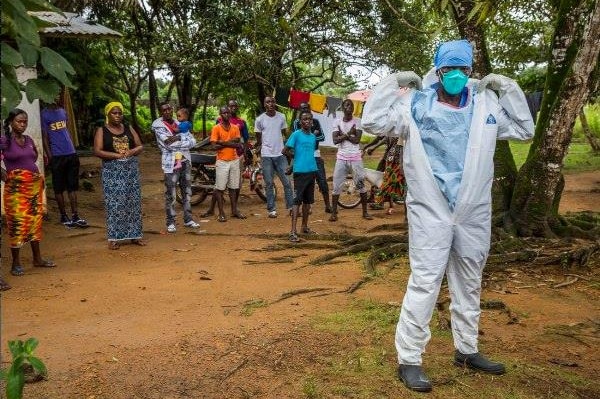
(63, 162)
(301, 145)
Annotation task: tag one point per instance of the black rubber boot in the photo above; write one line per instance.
(477, 361)
(414, 378)
(334, 205)
(363, 202)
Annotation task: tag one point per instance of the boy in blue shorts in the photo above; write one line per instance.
(301, 145)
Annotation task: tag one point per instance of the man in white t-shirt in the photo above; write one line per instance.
(347, 136)
(270, 127)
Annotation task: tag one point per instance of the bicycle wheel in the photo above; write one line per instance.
(349, 196)
(199, 188)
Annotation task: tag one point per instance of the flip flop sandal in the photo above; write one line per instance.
(4, 286)
(113, 245)
(206, 214)
(46, 263)
(17, 270)
(222, 218)
(239, 215)
(308, 230)
(139, 242)
(367, 216)
(333, 217)
(294, 237)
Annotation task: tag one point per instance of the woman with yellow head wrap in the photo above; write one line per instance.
(110, 106)
(118, 145)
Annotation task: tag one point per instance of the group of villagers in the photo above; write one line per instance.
(116, 143)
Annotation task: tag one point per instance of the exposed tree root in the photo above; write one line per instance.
(506, 249)
(275, 259)
(235, 369)
(389, 227)
(299, 245)
(356, 285)
(384, 253)
(375, 240)
(316, 237)
(289, 294)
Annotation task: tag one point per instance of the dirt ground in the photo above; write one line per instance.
(206, 313)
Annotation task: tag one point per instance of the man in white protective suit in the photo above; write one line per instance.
(450, 128)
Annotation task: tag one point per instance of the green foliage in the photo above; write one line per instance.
(404, 34)
(519, 35)
(532, 79)
(364, 315)
(251, 305)
(592, 113)
(310, 389)
(21, 46)
(22, 355)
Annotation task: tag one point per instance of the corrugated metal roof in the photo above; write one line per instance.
(72, 25)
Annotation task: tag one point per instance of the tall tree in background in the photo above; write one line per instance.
(574, 57)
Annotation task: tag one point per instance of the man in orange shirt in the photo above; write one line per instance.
(225, 136)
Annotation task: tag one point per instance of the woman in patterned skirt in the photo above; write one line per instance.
(118, 145)
(23, 191)
(393, 188)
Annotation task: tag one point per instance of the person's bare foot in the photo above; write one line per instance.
(4, 286)
(139, 242)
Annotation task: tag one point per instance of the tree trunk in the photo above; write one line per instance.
(534, 207)
(505, 173)
(474, 33)
(134, 120)
(204, 107)
(153, 94)
(587, 132)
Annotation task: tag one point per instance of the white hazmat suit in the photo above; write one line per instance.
(441, 239)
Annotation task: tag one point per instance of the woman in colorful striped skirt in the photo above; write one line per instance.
(118, 145)
(393, 188)
(23, 191)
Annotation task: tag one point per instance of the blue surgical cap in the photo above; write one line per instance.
(454, 53)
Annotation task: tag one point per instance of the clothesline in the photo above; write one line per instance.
(292, 98)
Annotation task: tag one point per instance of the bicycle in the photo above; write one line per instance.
(350, 196)
(204, 174)
(253, 172)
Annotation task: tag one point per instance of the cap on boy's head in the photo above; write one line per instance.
(454, 53)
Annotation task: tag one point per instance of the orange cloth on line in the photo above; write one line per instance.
(317, 102)
(219, 133)
(358, 108)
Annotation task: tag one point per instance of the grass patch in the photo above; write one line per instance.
(580, 157)
(310, 389)
(250, 306)
(365, 365)
(379, 319)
